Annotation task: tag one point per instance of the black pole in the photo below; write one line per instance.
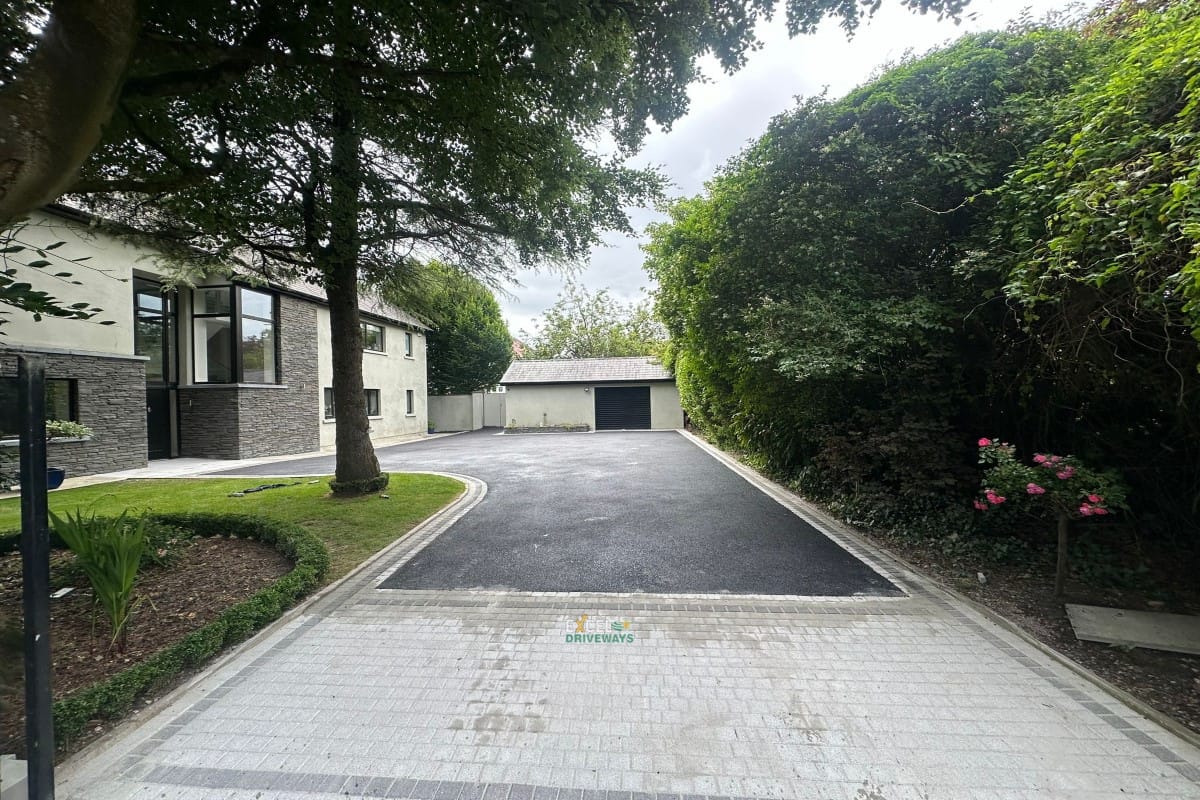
(35, 557)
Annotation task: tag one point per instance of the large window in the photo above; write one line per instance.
(235, 332)
(61, 403)
(372, 336)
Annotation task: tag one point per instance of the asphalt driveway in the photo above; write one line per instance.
(612, 512)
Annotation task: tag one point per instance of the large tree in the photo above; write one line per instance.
(583, 324)
(469, 347)
(331, 140)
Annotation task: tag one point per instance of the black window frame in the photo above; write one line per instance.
(235, 316)
(329, 412)
(408, 344)
(382, 337)
(410, 403)
(72, 387)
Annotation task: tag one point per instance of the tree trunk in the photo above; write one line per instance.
(357, 468)
(1060, 570)
(53, 114)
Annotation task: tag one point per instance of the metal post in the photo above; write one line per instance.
(35, 556)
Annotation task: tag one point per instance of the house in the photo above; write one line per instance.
(227, 368)
(599, 393)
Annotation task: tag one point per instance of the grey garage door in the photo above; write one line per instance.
(622, 408)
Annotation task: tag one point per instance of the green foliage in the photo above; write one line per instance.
(112, 698)
(1095, 247)
(470, 346)
(816, 318)
(22, 265)
(583, 324)
(65, 429)
(109, 551)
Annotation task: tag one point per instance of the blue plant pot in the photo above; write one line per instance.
(55, 477)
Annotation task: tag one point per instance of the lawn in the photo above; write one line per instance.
(352, 529)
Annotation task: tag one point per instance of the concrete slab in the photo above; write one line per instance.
(1176, 633)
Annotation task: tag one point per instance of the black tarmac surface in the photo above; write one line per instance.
(611, 512)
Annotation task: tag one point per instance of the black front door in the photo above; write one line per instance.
(622, 408)
(154, 337)
(158, 421)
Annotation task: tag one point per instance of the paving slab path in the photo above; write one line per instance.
(414, 679)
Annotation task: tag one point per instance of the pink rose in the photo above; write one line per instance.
(1065, 473)
(1095, 498)
(1033, 488)
(1101, 511)
(1085, 510)
(1039, 459)
(995, 499)
(980, 505)
(985, 442)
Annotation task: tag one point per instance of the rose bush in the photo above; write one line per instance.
(1062, 486)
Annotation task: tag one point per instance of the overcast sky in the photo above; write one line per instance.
(731, 110)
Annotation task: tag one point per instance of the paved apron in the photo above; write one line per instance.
(416, 693)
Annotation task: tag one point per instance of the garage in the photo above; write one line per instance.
(590, 394)
(622, 408)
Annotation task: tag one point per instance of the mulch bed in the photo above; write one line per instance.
(1024, 594)
(208, 576)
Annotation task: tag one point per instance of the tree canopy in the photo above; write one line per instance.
(333, 140)
(999, 237)
(583, 324)
(470, 347)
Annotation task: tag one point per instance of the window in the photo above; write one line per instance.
(154, 330)
(409, 402)
(408, 344)
(370, 397)
(62, 403)
(372, 336)
(235, 335)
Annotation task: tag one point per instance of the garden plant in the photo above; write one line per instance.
(1062, 485)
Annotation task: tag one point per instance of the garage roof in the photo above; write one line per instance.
(585, 370)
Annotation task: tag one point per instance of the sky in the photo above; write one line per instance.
(729, 111)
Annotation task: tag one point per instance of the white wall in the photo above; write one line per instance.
(105, 275)
(535, 406)
(391, 372)
(665, 411)
(451, 412)
(549, 405)
(493, 410)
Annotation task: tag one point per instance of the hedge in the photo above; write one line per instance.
(112, 698)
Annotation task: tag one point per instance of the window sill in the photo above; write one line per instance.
(375, 352)
(328, 421)
(410, 415)
(55, 440)
(411, 358)
(378, 416)
(234, 386)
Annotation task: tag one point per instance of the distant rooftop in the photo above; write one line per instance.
(586, 370)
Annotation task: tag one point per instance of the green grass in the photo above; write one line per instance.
(353, 529)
